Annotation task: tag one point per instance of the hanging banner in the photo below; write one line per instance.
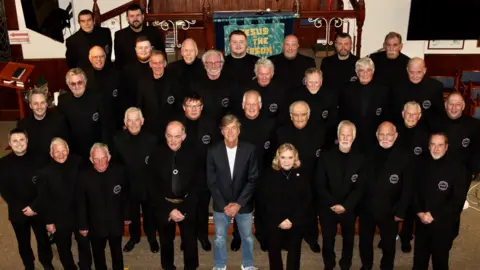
(264, 39)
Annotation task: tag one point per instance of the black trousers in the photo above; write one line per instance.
(408, 224)
(189, 240)
(203, 213)
(148, 221)
(311, 233)
(98, 249)
(63, 240)
(433, 240)
(388, 233)
(328, 222)
(292, 239)
(23, 234)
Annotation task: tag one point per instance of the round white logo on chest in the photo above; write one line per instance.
(426, 104)
(354, 178)
(206, 139)
(117, 189)
(394, 178)
(317, 153)
(225, 102)
(34, 179)
(273, 107)
(379, 111)
(170, 100)
(417, 150)
(95, 116)
(466, 142)
(107, 48)
(324, 114)
(115, 93)
(266, 145)
(354, 78)
(442, 185)
(175, 171)
(146, 159)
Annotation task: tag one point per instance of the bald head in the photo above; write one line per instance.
(96, 56)
(189, 50)
(454, 105)
(386, 134)
(416, 69)
(290, 47)
(299, 113)
(175, 134)
(252, 103)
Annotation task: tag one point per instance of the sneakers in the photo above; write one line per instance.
(249, 268)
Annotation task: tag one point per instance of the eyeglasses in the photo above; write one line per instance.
(193, 106)
(75, 84)
(216, 63)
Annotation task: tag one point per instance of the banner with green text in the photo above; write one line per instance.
(263, 39)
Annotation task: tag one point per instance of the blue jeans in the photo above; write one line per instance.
(222, 222)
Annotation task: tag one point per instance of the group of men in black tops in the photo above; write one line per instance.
(130, 140)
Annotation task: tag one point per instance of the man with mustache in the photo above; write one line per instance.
(18, 187)
(86, 37)
(103, 78)
(425, 90)
(214, 86)
(308, 139)
(125, 39)
(387, 195)
(239, 63)
(391, 63)
(339, 69)
(42, 125)
(463, 133)
(290, 65)
(155, 94)
(338, 186)
(439, 194)
(185, 70)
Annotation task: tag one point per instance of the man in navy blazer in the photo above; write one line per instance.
(231, 176)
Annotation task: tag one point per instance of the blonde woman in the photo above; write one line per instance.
(288, 207)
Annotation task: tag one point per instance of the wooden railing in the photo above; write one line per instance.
(328, 19)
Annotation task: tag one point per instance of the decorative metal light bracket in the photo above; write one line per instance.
(318, 23)
(183, 24)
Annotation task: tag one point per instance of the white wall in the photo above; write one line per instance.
(44, 47)
(382, 16)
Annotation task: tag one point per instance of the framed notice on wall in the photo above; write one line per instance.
(446, 44)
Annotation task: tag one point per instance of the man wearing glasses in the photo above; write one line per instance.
(86, 117)
(201, 133)
(365, 103)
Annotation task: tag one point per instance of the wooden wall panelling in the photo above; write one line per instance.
(449, 64)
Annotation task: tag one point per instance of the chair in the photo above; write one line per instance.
(470, 83)
(450, 83)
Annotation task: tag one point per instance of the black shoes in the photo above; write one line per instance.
(130, 245)
(205, 244)
(154, 247)
(315, 247)
(236, 243)
(406, 247)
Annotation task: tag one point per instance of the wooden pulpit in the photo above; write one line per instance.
(19, 83)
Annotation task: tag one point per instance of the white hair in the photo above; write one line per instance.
(58, 140)
(252, 92)
(133, 109)
(347, 123)
(364, 62)
(100, 145)
(264, 62)
(212, 52)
